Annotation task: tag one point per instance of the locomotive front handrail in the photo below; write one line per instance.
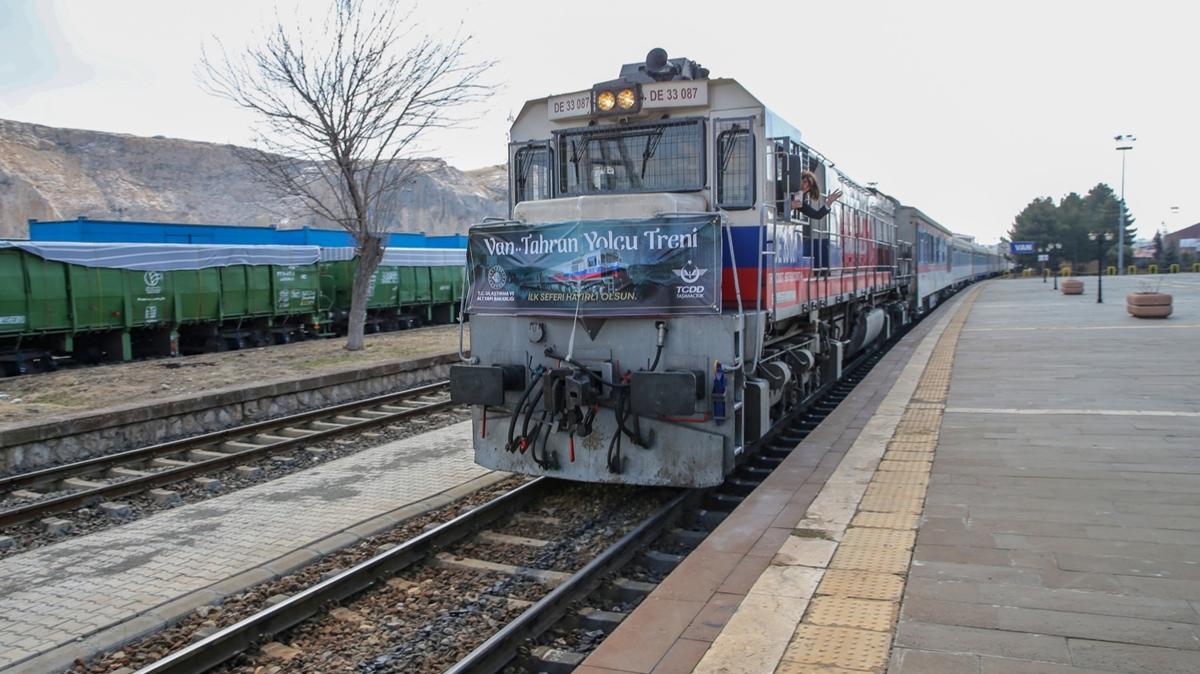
(468, 286)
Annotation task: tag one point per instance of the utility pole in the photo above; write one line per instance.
(1124, 143)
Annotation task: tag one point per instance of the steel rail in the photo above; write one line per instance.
(230, 641)
(95, 464)
(141, 483)
(493, 654)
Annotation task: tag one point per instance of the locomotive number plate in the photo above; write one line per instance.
(578, 104)
(687, 93)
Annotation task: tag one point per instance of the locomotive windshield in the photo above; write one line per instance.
(660, 157)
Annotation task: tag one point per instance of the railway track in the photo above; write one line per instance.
(712, 507)
(657, 542)
(115, 475)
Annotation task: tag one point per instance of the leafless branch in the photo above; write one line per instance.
(341, 106)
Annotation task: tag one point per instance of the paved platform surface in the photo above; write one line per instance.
(1061, 531)
(92, 592)
(1024, 498)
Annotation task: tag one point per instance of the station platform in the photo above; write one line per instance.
(1014, 489)
(92, 593)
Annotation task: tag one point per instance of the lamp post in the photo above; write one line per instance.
(1098, 237)
(1124, 143)
(1053, 247)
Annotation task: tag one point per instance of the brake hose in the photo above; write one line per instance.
(512, 420)
(528, 414)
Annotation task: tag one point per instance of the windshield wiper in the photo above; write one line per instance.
(524, 163)
(575, 156)
(651, 145)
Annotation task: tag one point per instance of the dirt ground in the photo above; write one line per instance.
(41, 397)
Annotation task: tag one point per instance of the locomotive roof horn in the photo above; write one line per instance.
(658, 65)
(659, 68)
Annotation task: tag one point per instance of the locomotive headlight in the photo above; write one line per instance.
(616, 97)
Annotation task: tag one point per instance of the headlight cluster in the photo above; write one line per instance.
(619, 98)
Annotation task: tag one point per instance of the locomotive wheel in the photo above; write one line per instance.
(1148, 299)
(1156, 311)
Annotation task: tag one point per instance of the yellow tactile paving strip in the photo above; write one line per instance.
(871, 614)
(862, 585)
(788, 667)
(897, 538)
(845, 647)
(886, 520)
(848, 627)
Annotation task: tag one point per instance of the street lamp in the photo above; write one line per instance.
(1124, 143)
(1098, 237)
(1051, 247)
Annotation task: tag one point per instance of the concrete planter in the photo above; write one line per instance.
(1148, 305)
(1072, 287)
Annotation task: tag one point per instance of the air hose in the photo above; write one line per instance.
(512, 420)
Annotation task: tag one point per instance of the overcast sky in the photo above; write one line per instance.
(964, 110)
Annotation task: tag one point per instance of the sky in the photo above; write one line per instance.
(965, 110)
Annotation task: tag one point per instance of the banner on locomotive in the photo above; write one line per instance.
(653, 266)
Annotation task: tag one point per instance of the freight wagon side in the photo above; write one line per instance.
(93, 302)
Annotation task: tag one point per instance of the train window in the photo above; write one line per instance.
(657, 157)
(735, 163)
(531, 173)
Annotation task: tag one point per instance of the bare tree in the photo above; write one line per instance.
(341, 105)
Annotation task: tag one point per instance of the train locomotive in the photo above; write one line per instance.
(654, 305)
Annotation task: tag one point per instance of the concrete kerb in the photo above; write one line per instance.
(43, 443)
(168, 613)
(121, 415)
(832, 509)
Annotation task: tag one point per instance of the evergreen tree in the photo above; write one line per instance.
(1103, 214)
(1072, 229)
(1172, 256)
(1038, 222)
(1158, 246)
(1070, 223)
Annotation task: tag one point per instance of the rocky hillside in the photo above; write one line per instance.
(59, 174)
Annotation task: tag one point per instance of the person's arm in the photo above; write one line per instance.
(813, 213)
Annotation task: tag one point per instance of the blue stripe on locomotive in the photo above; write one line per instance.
(792, 250)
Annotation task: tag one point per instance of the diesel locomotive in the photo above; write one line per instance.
(654, 304)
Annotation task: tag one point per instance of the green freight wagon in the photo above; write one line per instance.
(113, 301)
(411, 286)
(120, 301)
